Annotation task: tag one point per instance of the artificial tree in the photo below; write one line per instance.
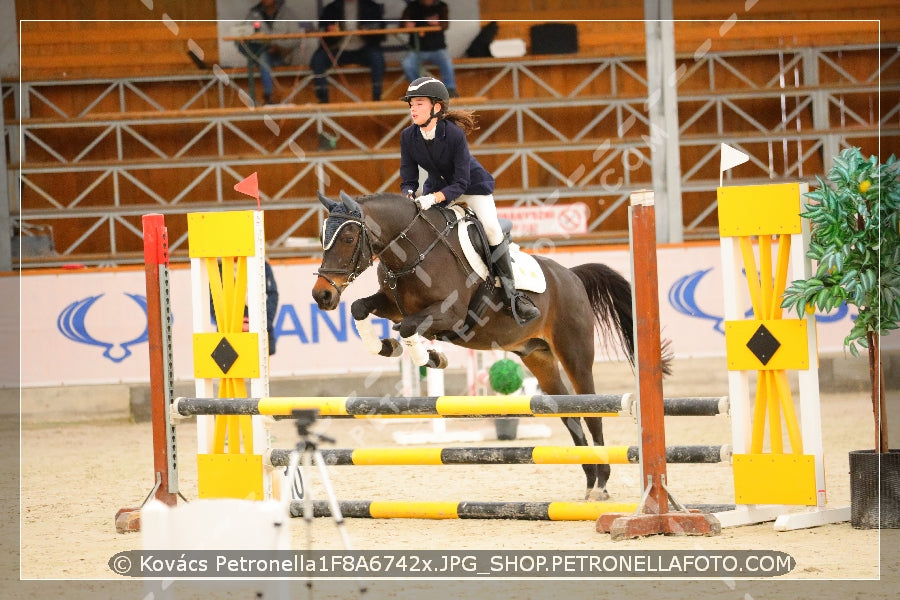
(855, 240)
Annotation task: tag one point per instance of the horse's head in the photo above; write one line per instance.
(347, 250)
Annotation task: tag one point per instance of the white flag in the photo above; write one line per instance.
(731, 157)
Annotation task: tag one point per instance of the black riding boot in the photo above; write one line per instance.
(522, 307)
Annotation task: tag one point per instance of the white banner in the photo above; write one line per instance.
(89, 327)
(547, 221)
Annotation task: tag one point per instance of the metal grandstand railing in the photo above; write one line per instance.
(809, 105)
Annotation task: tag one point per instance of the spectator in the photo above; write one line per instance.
(270, 16)
(365, 50)
(430, 46)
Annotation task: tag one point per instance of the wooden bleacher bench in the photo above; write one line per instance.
(61, 50)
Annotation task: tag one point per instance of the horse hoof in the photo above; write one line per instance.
(436, 360)
(601, 494)
(390, 348)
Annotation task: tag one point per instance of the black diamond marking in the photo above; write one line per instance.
(224, 355)
(763, 345)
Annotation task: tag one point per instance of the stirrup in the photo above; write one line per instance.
(520, 319)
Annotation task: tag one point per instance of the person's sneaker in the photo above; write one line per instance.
(322, 96)
(452, 92)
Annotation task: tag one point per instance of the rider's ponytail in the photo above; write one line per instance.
(464, 119)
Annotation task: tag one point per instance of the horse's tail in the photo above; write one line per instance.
(610, 296)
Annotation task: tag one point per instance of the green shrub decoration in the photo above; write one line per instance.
(506, 376)
(854, 219)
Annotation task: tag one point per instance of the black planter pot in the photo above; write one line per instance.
(865, 499)
(506, 427)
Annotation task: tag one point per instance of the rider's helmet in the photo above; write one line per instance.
(428, 87)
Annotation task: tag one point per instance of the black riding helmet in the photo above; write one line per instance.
(428, 87)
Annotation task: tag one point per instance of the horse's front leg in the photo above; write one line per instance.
(362, 311)
(426, 324)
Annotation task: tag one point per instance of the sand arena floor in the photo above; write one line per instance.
(75, 476)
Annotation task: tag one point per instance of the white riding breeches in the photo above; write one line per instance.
(486, 211)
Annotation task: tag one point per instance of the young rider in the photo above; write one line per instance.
(436, 141)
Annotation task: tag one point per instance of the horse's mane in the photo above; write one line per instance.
(381, 197)
(388, 200)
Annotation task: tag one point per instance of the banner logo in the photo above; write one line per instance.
(71, 323)
(684, 299)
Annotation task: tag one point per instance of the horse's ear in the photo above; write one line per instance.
(327, 202)
(350, 203)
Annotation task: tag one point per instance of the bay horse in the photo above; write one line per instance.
(427, 289)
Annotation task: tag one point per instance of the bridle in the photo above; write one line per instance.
(362, 253)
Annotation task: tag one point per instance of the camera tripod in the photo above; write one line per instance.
(304, 455)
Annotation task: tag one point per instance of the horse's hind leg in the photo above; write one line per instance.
(542, 364)
(595, 426)
(577, 364)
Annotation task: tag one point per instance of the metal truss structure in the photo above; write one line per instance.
(809, 106)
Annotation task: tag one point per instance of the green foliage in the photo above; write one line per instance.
(855, 242)
(506, 376)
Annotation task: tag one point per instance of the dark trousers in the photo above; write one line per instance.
(367, 56)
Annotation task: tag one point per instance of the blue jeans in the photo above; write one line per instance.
(413, 61)
(367, 56)
(266, 62)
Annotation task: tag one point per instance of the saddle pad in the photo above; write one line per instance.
(526, 270)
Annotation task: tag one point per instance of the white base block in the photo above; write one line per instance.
(218, 524)
(752, 514)
(812, 518)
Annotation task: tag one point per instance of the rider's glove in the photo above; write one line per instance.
(425, 202)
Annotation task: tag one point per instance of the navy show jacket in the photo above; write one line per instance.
(451, 168)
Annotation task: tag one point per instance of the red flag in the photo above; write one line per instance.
(250, 187)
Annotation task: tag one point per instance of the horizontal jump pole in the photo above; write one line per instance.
(524, 511)
(577, 405)
(506, 455)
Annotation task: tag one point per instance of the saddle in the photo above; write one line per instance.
(476, 249)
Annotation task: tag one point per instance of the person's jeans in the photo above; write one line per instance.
(413, 61)
(266, 62)
(367, 56)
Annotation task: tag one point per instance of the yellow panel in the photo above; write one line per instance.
(215, 234)
(230, 476)
(245, 344)
(793, 354)
(774, 479)
(759, 209)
